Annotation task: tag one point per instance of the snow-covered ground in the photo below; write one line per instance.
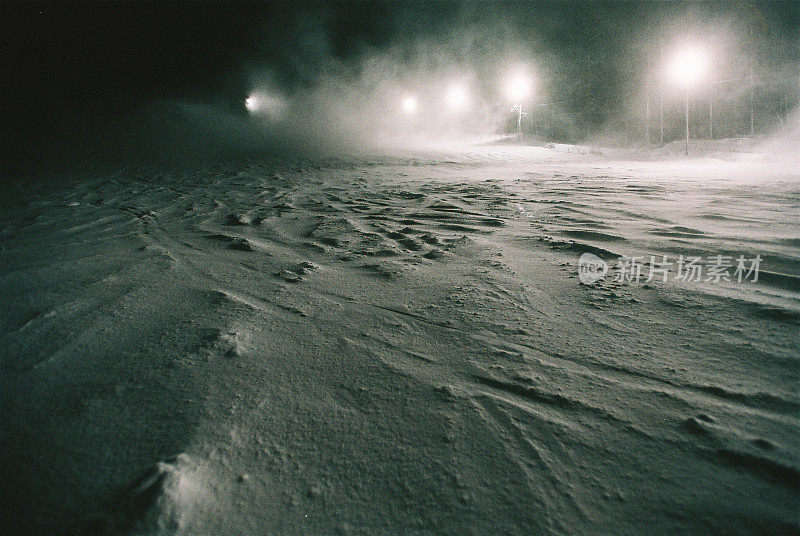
(401, 345)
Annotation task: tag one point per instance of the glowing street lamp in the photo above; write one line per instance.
(409, 104)
(269, 104)
(688, 68)
(518, 88)
(456, 97)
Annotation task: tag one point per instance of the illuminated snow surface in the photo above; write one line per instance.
(401, 345)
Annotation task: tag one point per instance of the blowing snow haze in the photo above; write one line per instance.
(170, 80)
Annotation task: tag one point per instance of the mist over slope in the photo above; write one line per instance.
(125, 83)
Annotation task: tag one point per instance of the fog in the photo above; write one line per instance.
(323, 87)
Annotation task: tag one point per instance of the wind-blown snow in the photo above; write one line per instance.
(399, 345)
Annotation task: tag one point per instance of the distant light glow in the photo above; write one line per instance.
(518, 87)
(456, 97)
(409, 104)
(689, 66)
(261, 102)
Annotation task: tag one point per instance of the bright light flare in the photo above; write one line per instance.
(689, 66)
(265, 103)
(409, 104)
(456, 97)
(519, 87)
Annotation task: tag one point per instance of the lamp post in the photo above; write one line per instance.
(688, 68)
(647, 116)
(265, 104)
(661, 96)
(711, 115)
(687, 120)
(409, 104)
(520, 114)
(752, 103)
(457, 101)
(518, 88)
(456, 97)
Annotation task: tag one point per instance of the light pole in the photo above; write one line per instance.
(457, 101)
(661, 95)
(456, 98)
(688, 68)
(711, 114)
(687, 120)
(647, 115)
(752, 103)
(520, 113)
(265, 104)
(518, 88)
(661, 114)
(409, 104)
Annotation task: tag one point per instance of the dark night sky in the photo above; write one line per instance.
(65, 64)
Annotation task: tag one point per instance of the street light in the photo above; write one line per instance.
(456, 97)
(261, 102)
(518, 87)
(688, 68)
(409, 104)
